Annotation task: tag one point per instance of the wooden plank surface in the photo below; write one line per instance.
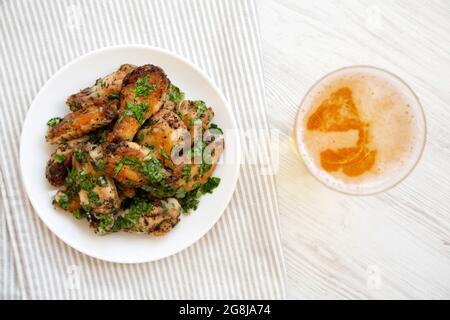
(392, 245)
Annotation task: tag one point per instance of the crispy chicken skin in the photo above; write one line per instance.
(142, 95)
(193, 111)
(73, 203)
(123, 163)
(197, 175)
(167, 135)
(60, 161)
(102, 91)
(101, 199)
(163, 217)
(81, 122)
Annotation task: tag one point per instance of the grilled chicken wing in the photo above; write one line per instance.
(132, 165)
(163, 217)
(97, 192)
(143, 93)
(102, 91)
(167, 136)
(193, 173)
(194, 113)
(79, 123)
(61, 160)
(67, 201)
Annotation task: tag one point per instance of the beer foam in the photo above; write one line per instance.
(396, 128)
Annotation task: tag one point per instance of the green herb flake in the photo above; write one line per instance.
(201, 107)
(130, 161)
(118, 168)
(100, 165)
(102, 181)
(136, 111)
(186, 171)
(63, 200)
(59, 158)
(181, 193)
(165, 209)
(175, 94)
(214, 126)
(143, 88)
(192, 198)
(53, 122)
(164, 154)
(152, 169)
(78, 214)
(193, 121)
(80, 156)
(114, 96)
(102, 139)
(210, 185)
(93, 197)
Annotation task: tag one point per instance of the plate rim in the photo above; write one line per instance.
(237, 156)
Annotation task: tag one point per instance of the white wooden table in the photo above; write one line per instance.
(395, 244)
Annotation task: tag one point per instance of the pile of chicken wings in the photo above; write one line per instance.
(133, 154)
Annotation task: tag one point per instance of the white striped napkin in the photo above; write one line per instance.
(241, 256)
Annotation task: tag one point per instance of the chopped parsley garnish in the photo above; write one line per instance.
(204, 168)
(139, 207)
(175, 94)
(63, 201)
(143, 88)
(71, 178)
(215, 127)
(136, 111)
(118, 168)
(210, 185)
(193, 121)
(186, 171)
(93, 197)
(59, 158)
(102, 139)
(102, 181)
(78, 214)
(106, 223)
(192, 198)
(152, 169)
(165, 209)
(80, 156)
(100, 165)
(164, 154)
(53, 121)
(114, 96)
(130, 161)
(87, 182)
(201, 107)
(181, 193)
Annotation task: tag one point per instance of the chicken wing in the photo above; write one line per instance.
(143, 93)
(79, 123)
(194, 114)
(61, 160)
(167, 135)
(97, 192)
(163, 217)
(104, 90)
(133, 165)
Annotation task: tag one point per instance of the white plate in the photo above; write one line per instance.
(34, 153)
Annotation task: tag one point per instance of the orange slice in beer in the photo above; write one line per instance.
(337, 113)
(357, 168)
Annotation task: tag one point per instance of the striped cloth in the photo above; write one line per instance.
(241, 256)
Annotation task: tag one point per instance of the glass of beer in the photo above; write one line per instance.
(360, 130)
